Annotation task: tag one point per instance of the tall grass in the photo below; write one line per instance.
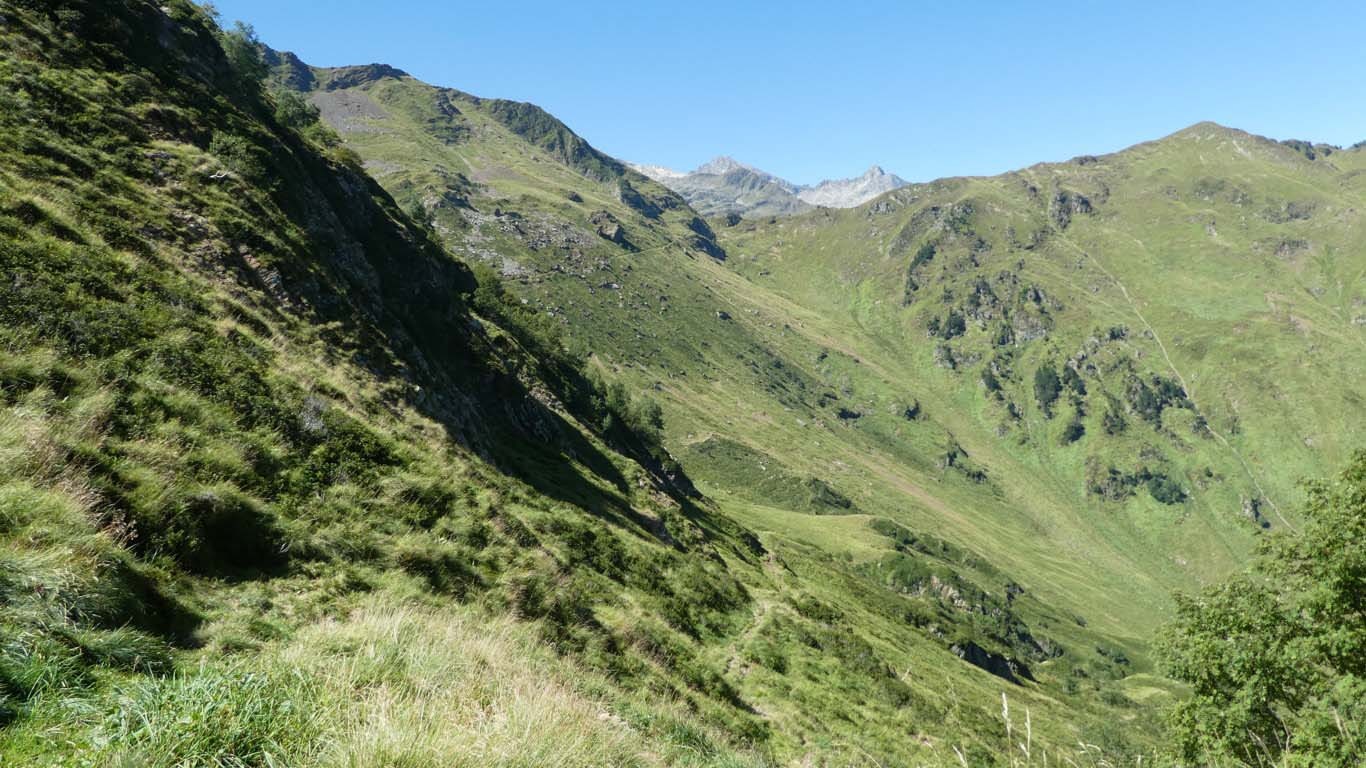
(418, 687)
(392, 684)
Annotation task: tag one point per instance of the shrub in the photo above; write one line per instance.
(990, 381)
(1113, 421)
(243, 52)
(1073, 431)
(1073, 380)
(954, 325)
(240, 156)
(1165, 490)
(293, 110)
(1275, 657)
(1047, 387)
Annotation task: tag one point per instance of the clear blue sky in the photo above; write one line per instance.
(809, 90)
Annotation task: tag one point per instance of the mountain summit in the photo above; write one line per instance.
(848, 193)
(724, 185)
(720, 166)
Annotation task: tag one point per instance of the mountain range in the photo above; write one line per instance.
(347, 419)
(725, 186)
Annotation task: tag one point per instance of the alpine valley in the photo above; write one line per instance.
(351, 420)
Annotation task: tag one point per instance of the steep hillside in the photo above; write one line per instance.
(913, 410)
(429, 434)
(264, 441)
(258, 453)
(1207, 290)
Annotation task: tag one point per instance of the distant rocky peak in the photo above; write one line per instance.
(720, 166)
(724, 185)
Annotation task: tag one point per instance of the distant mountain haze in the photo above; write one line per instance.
(724, 185)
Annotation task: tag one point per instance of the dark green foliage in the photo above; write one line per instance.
(1004, 335)
(1114, 485)
(1149, 401)
(1276, 657)
(292, 110)
(923, 256)
(1109, 483)
(240, 155)
(214, 531)
(1165, 490)
(1310, 150)
(954, 325)
(243, 52)
(1047, 387)
(1113, 421)
(1073, 381)
(1074, 430)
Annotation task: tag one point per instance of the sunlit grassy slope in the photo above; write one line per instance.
(283, 481)
(1198, 300)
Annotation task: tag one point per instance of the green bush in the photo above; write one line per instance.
(1047, 387)
(294, 111)
(1276, 657)
(1074, 430)
(1165, 490)
(243, 52)
(240, 156)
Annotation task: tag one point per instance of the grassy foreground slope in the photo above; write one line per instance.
(270, 492)
(283, 483)
(945, 412)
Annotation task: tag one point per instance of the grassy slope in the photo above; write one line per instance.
(754, 397)
(1255, 310)
(255, 452)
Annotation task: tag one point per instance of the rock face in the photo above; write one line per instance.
(998, 665)
(724, 186)
(607, 227)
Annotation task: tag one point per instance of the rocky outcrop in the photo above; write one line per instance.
(1003, 667)
(607, 227)
(350, 77)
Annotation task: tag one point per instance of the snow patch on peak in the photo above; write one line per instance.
(656, 172)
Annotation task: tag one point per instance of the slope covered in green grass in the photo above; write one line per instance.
(429, 433)
(950, 377)
(256, 451)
